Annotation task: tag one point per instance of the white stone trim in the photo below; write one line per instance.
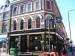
(32, 13)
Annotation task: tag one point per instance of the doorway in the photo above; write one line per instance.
(23, 43)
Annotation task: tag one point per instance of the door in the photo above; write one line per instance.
(23, 43)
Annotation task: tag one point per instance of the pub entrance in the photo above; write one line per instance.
(23, 43)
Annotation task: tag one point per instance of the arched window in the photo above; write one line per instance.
(48, 21)
(29, 23)
(21, 24)
(14, 25)
(38, 22)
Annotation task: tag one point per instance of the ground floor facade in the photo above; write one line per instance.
(34, 40)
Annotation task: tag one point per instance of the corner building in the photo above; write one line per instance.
(34, 24)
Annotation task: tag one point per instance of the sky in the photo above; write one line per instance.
(64, 6)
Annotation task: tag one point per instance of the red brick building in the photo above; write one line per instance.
(35, 25)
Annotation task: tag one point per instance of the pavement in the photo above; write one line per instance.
(3, 52)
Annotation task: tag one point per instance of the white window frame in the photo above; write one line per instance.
(24, 9)
(13, 10)
(39, 5)
(5, 27)
(5, 16)
(29, 7)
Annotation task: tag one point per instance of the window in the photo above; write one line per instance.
(14, 25)
(22, 8)
(58, 20)
(21, 24)
(29, 23)
(48, 4)
(48, 21)
(52, 4)
(38, 5)
(14, 10)
(38, 22)
(5, 16)
(29, 6)
(4, 28)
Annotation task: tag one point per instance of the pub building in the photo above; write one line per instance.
(36, 25)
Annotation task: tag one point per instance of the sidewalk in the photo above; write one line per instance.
(3, 52)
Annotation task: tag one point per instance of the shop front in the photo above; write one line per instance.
(31, 41)
(26, 41)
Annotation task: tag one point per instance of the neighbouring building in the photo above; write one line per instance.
(4, 21)
(5, 17)
(36, 25)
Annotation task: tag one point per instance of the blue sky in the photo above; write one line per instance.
(64, 6)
